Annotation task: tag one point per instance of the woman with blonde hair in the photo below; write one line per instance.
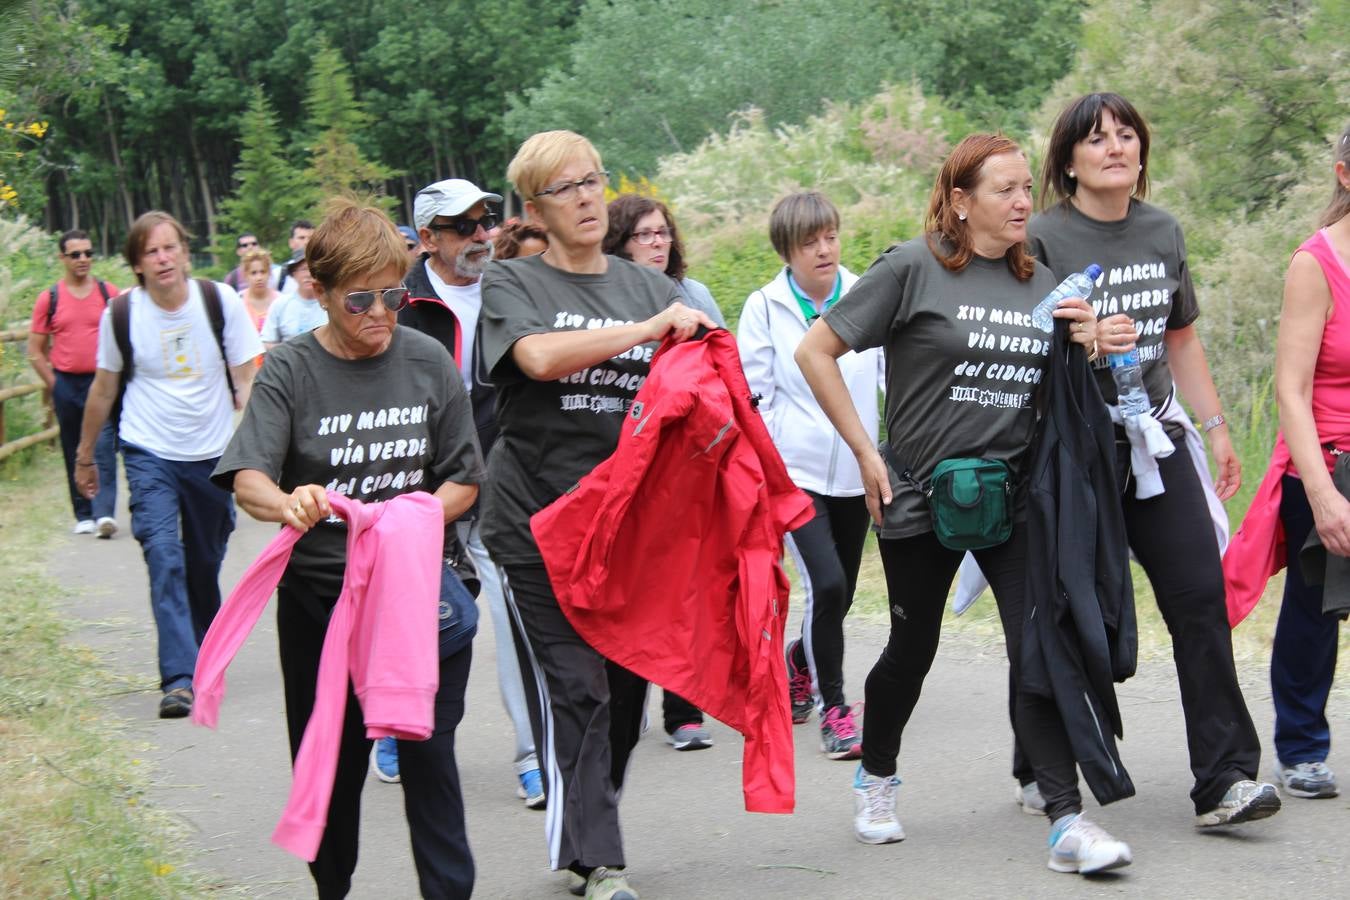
(568, 310)
(258, 293)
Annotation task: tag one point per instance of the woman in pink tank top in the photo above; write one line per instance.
(1312, 378)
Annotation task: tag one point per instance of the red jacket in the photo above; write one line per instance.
(666, 557)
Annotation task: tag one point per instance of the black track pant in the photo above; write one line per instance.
(432, 799)
(919, 573)
(1173, 539)
(827, 552)
(587, 716)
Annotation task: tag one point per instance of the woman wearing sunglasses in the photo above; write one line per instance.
(369, 410)
(567, 337)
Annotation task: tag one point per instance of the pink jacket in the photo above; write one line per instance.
(1257, 551)
(382, 633)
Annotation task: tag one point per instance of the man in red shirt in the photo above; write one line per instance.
(62, 346)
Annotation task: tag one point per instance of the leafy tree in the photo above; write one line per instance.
(646, 78)
(271, 193)
(993, 59)
(336, 119)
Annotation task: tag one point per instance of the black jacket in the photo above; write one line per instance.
(1080, 634)
(427, 313)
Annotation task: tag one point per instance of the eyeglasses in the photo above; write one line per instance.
(566, 190)
(358, 303)
(247, 245)
(664, 235)
(80, 254)
(466, 227)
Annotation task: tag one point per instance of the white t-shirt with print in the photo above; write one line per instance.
(178, 404)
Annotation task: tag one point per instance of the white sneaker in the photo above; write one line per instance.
(1310, 780)
(1084, 847)
(1245, 801)
(84, 526)
(107, 527)
(1028, 796)
(874, 818)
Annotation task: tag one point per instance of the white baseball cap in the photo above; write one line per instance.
(448, 198)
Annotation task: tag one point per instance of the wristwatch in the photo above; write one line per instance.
(1214, 422)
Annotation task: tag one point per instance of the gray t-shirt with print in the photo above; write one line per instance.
(555, 432)
(370, 429)
(962, 362)
(1144, 274)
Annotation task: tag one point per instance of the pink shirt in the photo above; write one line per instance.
(382, 634)
(1258, 550)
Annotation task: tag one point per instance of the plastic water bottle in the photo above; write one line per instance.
(1079, 284)
(1129, 378)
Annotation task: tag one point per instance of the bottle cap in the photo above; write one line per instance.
(1093, 271)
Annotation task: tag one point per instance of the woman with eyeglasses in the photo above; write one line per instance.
(827, 551)
(643, 230)
(369, 410)
(567, 337)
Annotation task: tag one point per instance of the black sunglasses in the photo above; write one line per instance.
(466, 227)
(358, 303)
(80, 254)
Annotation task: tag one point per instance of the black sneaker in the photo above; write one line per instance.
(799, 688)
(176, 704)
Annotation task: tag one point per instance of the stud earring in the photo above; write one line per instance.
(1072, 174)
(961, 216)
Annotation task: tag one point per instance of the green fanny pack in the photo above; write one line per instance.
(970, 500)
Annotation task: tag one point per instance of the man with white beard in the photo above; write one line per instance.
(453, 219)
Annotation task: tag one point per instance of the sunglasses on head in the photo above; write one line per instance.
(80, 254)
(465, 227)
(358, 303)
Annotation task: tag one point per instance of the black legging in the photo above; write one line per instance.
(919, 573)
(1172, 536)
(827, 552)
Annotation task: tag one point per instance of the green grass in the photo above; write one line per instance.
(72, 793)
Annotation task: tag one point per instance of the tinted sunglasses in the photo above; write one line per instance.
(80, 254)
(358, 303)
(466, 227)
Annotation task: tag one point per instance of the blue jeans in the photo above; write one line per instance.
(1303, 658)
(182, 522)
(68, 396)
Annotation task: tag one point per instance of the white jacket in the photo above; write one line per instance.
(770, 328)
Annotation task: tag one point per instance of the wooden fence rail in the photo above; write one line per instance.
(7, 447)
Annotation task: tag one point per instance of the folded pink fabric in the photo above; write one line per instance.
(382, 633)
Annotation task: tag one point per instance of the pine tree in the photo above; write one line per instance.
(272, 193)
(336, 164)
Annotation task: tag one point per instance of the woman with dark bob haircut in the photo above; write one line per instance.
(948, 396)
(642, 229)
(1096, 172)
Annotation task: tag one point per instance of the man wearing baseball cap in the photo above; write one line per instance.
(453, 219)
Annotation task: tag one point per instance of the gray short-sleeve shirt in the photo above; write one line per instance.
(554, 432)
(962, 361)
(370, 429)
(1144, 274)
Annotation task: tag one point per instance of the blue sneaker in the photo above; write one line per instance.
(531, 789)
(384, 760)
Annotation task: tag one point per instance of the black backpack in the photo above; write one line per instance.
(51, 304)
(121, 323)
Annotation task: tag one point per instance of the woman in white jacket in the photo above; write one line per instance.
(804, 230)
